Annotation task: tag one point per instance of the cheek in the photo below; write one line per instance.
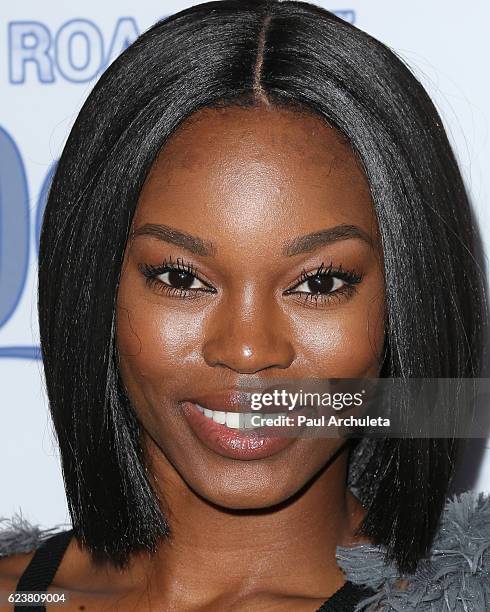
(156, 334)
(155, 342)
(344, 342)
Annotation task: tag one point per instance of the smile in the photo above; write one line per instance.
(231, 434)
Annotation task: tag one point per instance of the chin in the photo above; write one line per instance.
(238, 492)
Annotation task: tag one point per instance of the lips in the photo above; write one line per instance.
(222, 429)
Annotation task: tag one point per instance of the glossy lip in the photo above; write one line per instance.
(228, 442)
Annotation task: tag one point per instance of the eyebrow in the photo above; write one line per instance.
(313, 241)
(296, 246)
(193, 244)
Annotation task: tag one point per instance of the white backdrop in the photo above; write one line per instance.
(50, 56)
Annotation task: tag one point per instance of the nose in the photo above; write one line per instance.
(248, 340)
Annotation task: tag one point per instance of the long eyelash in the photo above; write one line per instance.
(167, 265)
(151, 272)
(350, 277)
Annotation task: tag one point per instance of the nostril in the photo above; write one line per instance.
(248, 357)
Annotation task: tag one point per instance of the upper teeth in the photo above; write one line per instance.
(234, 420)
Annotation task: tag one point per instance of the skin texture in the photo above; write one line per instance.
(246, 534)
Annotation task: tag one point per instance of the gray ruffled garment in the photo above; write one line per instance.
(455, 576)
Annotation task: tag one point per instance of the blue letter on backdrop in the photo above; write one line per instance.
(29, 41)
(83, 64)
(125, 33)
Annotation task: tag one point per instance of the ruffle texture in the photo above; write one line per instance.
(17, 535)
(454, 578)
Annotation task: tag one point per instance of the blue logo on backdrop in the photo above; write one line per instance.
(15, 235)
(76, 53)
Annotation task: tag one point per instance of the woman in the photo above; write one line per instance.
(252, 191)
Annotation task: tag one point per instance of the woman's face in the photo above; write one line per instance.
(244, 202)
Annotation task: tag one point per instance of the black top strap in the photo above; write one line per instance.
(42, 568)
(345, 599)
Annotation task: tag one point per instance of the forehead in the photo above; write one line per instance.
(257, 164)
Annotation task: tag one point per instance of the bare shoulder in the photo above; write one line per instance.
(11, 569)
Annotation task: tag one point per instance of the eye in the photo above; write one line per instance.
(325, 284)
(180, 279)
(320, 284)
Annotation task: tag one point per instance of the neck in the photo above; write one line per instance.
(288, 549)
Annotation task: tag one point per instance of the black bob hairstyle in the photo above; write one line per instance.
(246, 52)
